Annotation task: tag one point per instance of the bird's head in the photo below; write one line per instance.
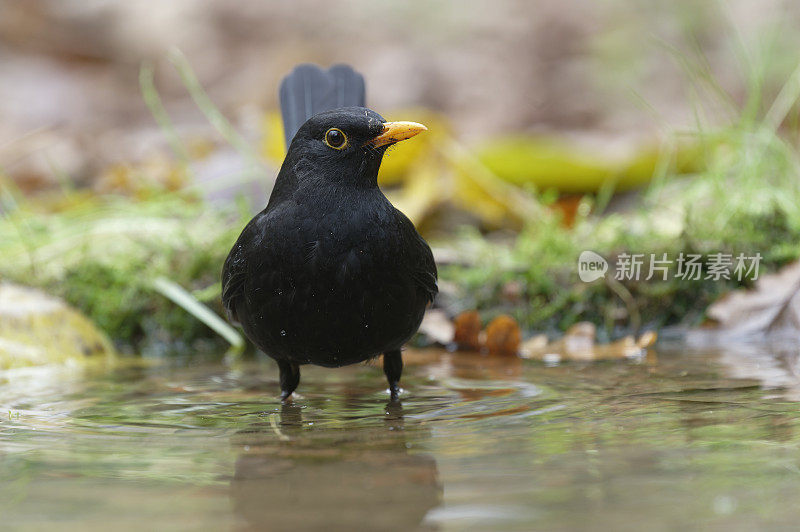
(345, 145)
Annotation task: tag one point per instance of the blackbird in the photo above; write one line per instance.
(330, 273)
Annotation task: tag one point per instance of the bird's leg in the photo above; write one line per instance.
(290, 378)
(393, 369)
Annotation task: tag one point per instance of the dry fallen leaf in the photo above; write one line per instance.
(773, 306)
(468, 330)
(503, 336)
(579, 343)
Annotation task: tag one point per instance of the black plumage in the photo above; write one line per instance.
(330, 273)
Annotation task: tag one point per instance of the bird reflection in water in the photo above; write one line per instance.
(298, 476)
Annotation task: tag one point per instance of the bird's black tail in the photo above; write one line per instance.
(308, 90)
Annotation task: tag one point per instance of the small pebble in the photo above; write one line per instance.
(551, 359)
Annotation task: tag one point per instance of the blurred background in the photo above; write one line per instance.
(136, 139)
(608, 76)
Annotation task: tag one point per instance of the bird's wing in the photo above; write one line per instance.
(235, 270)
(308, 90)
(233, 277)
(422, 266)
(424, 271)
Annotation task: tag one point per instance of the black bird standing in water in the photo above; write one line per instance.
(330, 273)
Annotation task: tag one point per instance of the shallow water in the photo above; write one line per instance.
(684, 438)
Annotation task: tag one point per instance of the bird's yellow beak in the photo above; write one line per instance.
(397, 131)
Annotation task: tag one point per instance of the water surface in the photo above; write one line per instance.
(684, 438)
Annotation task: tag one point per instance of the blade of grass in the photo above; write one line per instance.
(784, 102)
(208, 108)
(153, 102)
(175, 293)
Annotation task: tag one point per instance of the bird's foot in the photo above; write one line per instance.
(394, 392)
(288, 398)
(393, 369)
(289, 377)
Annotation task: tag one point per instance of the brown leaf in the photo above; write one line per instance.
(774, 305)
(579, 344)
(468, 330)
(503, 336)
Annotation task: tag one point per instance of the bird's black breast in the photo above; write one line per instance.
(330, 284)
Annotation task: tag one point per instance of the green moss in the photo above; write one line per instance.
(103, 255)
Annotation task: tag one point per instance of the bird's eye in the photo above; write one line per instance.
(335, 138)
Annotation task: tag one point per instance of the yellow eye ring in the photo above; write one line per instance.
(335, 138)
